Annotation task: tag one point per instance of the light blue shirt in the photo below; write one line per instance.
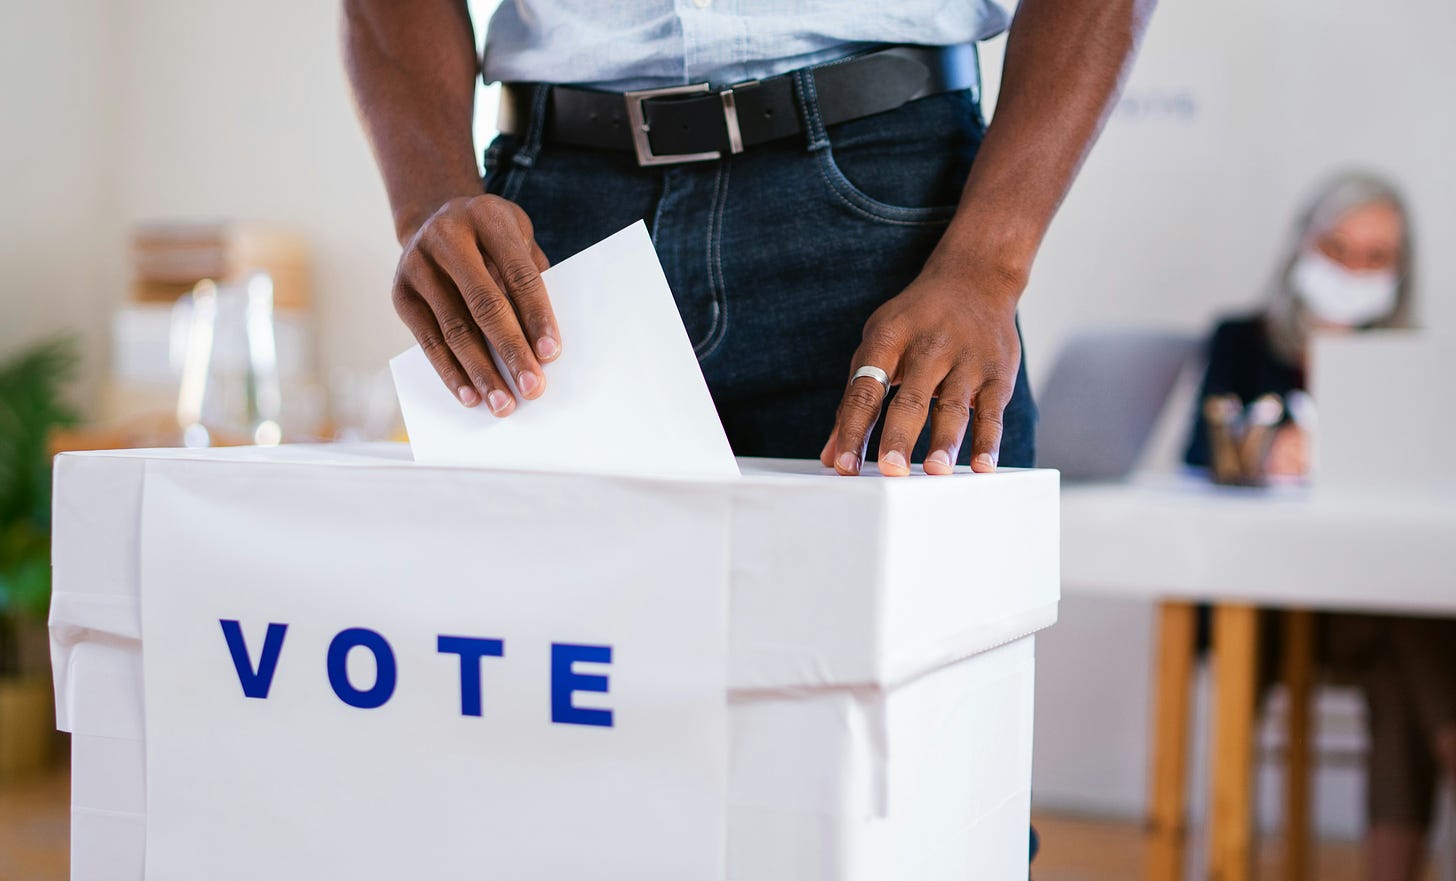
(633, 44)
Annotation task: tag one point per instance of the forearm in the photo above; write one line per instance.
(413, 69)
(1065, 64)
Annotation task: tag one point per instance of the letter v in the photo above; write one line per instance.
(255, 683)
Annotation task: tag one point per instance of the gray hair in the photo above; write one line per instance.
(1285, 317)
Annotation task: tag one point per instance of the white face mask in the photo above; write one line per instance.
(1342, 296)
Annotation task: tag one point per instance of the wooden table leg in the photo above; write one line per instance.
(1235, 680)
(1168, 792)
(1298, 685)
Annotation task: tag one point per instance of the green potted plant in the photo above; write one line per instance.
(31, 406)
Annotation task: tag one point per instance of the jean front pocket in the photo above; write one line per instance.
(907, 166)
(857, 200)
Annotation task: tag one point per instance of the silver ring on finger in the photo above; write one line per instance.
(874, 373)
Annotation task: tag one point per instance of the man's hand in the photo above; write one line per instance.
(951, 336)
(950, 343)
(469, 278)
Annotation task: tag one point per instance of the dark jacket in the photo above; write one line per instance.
(1240, 362)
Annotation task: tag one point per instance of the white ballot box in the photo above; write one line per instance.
(330, 661)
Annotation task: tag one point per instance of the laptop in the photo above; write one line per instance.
(1386, 405)
(1102, 400)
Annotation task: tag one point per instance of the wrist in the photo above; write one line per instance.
(411, 216)
(408, 221)
(993, 240)
(991, 269)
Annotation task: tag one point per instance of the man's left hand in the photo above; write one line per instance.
(949, 341)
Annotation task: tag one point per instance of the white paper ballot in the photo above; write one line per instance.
(625, 397)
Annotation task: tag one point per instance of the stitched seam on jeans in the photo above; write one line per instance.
(657, 213)
(718, 291)
(531, 148)
(515, 175)
(525, 156)
(809, 94)
(837, 190)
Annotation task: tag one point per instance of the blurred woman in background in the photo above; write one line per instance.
(1349, 270)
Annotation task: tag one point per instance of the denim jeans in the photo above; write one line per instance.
(776, 256)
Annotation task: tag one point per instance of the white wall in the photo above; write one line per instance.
(120, 111)
(242, 110)
(1234, 111)
(56, 201)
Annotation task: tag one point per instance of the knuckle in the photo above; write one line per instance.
(496, 217)
(881, 335)
(521, 278)
(511, 211)
(402, 299)
(910, 399)
(488, 204)
(412, 261)
(515, 355)
(433, 345)
(933, 342)
(996, 394)
(486, 304)
(988, 416)
(405, 274)
(451, 227)
(435, 234)
(1001, 371)
(862, 399)
(952, 408)
(993, 375)
(457, 330)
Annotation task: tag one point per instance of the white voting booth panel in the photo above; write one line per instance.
(878, 656)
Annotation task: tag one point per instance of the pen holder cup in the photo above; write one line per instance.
(1240, 438)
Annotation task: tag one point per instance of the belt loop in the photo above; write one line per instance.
(525, 157)
(811, 121)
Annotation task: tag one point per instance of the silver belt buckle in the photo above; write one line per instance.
(641, 129)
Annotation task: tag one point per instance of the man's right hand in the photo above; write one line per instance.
(470, 281)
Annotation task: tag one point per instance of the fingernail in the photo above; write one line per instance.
(939, 457)
(527, 382)
(986, 461)
(895, 459)
(847, 462)
(499, 401)
(547, 348)
(468, 396)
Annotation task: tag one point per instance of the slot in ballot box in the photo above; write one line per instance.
(330, 661)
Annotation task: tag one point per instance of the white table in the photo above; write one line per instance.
(1180, 541)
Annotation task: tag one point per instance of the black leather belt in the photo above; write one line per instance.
(697, 123)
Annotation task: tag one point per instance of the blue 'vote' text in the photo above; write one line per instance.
(257, 679)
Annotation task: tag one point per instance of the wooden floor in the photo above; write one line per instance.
(1082, 849)
(35, 828)
(33, 842)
